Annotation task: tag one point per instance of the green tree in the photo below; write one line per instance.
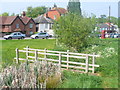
(13, 14)
(5, 14)
(102, 19)
(73, 31)
(34, 12)
(113, 20)
(74, 7)
(119, 22)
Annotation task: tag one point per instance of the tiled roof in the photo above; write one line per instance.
(42, 19)
(25, 19)
(61, 10)
(7, 19)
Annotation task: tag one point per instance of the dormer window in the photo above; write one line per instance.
(17, 25)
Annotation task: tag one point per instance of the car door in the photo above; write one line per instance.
(42, 35)
(14, 36)
(19, 35)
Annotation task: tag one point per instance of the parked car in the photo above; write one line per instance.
(15, 35)
(42, 35)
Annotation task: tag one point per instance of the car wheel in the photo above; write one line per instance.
(10, 38)
(22, 37)
(47, 37)
(36, 37)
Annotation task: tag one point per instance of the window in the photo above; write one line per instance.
(31, 25)
(17, 25)
(19, 34)
(46, 26)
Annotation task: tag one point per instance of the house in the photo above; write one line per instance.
(44, 24)
(30, 26)
(11, 24)
(22, 24)
(55, 13)
(109, 27)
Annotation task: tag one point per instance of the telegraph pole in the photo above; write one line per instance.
(109, 17)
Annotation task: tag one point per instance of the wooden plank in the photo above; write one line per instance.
(26, 51)
(78, 63)
(36, 55)
(83, 54)
(17, 55)
(87, 64)
(53, 60)
(93, 62)
(65, 52)
(67, 59)
(74, 56)
(60, 61)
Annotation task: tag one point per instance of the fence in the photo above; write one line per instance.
(66, 60)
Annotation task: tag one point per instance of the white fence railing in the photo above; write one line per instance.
(66, 60)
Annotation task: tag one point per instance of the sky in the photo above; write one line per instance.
(97, 7)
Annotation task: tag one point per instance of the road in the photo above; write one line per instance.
(1, 38)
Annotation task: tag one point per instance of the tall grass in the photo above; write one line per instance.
(30, 75)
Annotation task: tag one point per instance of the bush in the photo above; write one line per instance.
(74, 31)
(33, 75)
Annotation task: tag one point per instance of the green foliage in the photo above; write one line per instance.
(13, 14)
(5, 14)
(104, 19)
(119, 22)
(34, 12)
(78, 80)
(74, 31)
(74, 7)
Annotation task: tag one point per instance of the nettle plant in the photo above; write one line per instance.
(30, 75)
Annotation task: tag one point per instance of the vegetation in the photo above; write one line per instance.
(31, 75)
(34, 12)
(8, 48)
(104, 19)
(5, 14)
(73, 31)
(74, 7)
(107, 73)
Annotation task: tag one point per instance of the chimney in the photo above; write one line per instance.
(23, 13)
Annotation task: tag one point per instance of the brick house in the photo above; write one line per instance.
(55, 13)
(11, 24)
(30, 26)
(22, 24)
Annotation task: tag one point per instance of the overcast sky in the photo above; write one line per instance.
(98, 7)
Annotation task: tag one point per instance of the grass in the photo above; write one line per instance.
(108, 70)
(9, 46)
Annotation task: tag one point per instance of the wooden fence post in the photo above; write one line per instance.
(36, 55)
(60, 61)
(27, 53)
(45, 56)
(93, 62)
(67, 59)
(17, 55)
(87, 64)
